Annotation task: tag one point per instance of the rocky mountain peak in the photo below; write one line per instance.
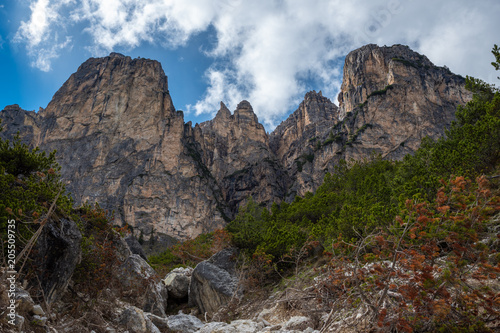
(121, 142)
(313, 95)
(116, 54)
(223, 113)
(244, 105)
(391, 97)
(370, 69)
(243, 125)
(236, 152)
(244, 114)
(13, 107)
(110, 87)
(317, 109)
(314, 114)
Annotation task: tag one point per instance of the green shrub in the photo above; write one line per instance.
(190, 252)
(381, 92)
(354, 199)
(471, 146)
(95, 272)
(30, 183)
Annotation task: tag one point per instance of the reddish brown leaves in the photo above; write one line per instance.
(431, 269)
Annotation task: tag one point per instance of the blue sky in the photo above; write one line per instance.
(268, 52)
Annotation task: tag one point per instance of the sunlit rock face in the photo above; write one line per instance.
(390, 98)
(236, 151)
(121, 143)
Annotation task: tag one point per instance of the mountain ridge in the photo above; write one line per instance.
(121, 142)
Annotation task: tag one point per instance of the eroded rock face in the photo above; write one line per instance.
(315, 115)
(236, 151)
(295, 140)
(121, 142)
(27, 123)
(391, 97)
(395, 98)
(57, 252)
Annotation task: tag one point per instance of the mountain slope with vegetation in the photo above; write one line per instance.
(122, 143)
(363, 195)
(409, 245)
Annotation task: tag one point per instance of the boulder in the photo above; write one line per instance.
(160, 322)
(237, 326)
(37, 310)
(56, 254)
(135, 321)
(24, 302)
(177, 282)
(141, 286)
(184, 323)
(214, 282)
(299, 323)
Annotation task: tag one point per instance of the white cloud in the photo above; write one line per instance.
(464, 43)
(114, 23)
(34, 31)
(266, 51)
(42, 32)
(44, 56)
(222, 87)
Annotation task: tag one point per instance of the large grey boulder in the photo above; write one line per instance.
(177, 282)
(214, 282)
(141, 286)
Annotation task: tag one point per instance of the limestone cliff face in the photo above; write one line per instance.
(121, 142)
(14, 119)
(294, 141)
(236, 151)
(395, 97)
(391, 97)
